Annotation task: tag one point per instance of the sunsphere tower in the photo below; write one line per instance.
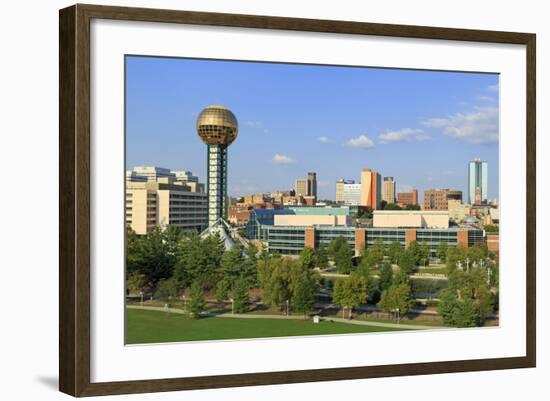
(217, 126)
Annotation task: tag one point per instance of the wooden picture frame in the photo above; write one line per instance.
(74, 199)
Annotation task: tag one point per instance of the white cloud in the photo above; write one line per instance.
(404, 134)
(486, 98)
(259, 125)
(323, 139)
(362, 141)
(282, 159)
(493, 88)
(476, 127)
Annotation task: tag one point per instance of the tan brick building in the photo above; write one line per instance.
(150, 204)
(407, 198)
(438, 199)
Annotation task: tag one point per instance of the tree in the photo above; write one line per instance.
(307, 258)
(135, 282)
(447, 305)
(485, 302)
(442, 251)
(376, 253)
(394, 251)
(490, 228)
(412, 207)
(150, 255)
(250, 266)
(365, 213)
(172, 236)
(321, 257)
(240, 296)
(231, 266)
(133, 256)
(350, 292)
(335, 245)
(465, 314)
(415, 252)
(406, 261)
(343, 260)
(365, 263)
(459, 312)
(392, 206)
(303, 297)
(425, 253)
(199, 259)
(196, 300)
(275, 279)
(396, 298)
(400, 277)
(222, 290)
(386, 277)
(364, 269)
(167, 290)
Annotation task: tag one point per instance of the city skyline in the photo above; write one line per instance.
(287, 128)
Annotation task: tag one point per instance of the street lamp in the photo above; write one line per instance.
(232, 306)
(286, 302)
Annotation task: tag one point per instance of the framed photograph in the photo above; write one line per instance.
(250, 200)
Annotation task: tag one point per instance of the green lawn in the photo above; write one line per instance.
(144, 326)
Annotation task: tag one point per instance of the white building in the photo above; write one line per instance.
(410, 218)
(352, 194)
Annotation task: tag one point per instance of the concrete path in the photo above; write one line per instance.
(293, 317)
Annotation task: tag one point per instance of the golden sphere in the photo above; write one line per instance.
(217, 125)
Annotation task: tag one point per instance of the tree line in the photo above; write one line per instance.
(171, 263)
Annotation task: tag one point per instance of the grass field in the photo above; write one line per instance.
(144, 326)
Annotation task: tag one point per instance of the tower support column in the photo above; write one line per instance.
(217, 183)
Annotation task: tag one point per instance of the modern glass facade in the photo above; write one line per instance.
(477, 179)
(290, 240)
(435, 237)
(387, 235)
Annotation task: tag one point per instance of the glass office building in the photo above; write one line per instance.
(290, 240)
(477, 181)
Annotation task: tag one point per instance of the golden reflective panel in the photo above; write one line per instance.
(217, 125)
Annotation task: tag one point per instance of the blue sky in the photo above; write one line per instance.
(421, 127)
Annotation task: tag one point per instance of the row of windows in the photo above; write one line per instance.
(193, 198)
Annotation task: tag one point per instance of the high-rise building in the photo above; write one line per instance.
(348, 192)
(371, 188)
(407, 198)
(165, 175)
(300, 187)
(186, 176)
(148, 173)
(477, 181)
(163, 202)
(312, 184)
(388, 193)
(217, 126)
(438, 199)
(352, 194)
(340, 190)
